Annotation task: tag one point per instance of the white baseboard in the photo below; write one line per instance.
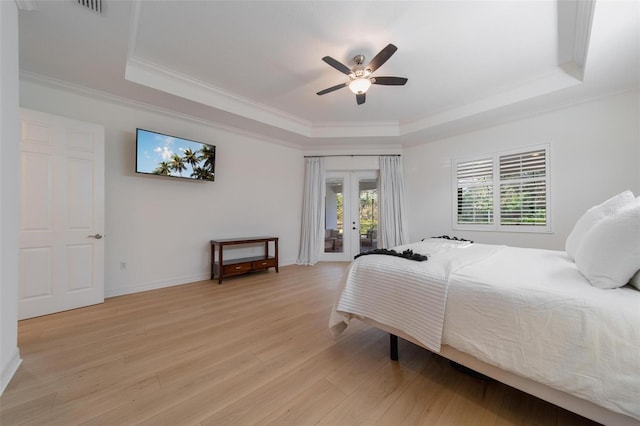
(10, 369)
(154, 285)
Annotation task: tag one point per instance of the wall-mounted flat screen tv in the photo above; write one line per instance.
(164, 155)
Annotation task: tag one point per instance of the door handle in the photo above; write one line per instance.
(96, 236)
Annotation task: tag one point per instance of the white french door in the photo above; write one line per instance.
(62, 214)
(351, 214)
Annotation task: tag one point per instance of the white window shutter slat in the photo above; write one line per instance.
(510, 186)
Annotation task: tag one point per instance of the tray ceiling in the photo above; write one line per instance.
(257, 66)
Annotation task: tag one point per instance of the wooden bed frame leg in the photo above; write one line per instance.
(393, 347)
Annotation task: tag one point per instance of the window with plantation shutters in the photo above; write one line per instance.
(475, 191)
(506, 191)
(523, 189)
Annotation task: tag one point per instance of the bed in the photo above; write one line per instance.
(526, 317)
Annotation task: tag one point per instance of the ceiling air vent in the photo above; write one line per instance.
(95, 5)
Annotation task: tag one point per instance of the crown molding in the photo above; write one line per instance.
(574, 29)
(166, 80)
(551, 82)
(122, 101)
(355, 150)
(161, 78)
(306, 149)
(169, 81)
(575, 23)
(355, 129)
(153, 75)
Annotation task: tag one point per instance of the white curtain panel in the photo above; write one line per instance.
(392, 222)
(312, 235)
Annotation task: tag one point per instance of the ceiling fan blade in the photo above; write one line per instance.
(332, 88)
(337, 65)
(389, 81)
(360, 98)
(382, 57)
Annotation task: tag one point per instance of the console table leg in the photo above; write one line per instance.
(220, 268)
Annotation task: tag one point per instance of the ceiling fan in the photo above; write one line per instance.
(360, 78)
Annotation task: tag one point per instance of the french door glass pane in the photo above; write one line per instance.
(368, 195)
(334, 216)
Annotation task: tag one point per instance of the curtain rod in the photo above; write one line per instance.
(353, 155)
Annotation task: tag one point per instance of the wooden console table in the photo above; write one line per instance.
(225, 268)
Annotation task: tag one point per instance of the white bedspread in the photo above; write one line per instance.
(531, 312)
(405, 294)
(527, 311)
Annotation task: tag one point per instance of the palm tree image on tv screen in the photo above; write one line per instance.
(165, 155)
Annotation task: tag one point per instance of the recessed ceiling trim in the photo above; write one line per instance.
(355, 129)
(574, 27)
(157, 77)
(119, 100)
(584, 21)
(170, 81)
(160, 78)
(552, 82)
(351, 149)
(575, 19)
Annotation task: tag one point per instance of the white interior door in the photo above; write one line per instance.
(350, 214)
(62, 214)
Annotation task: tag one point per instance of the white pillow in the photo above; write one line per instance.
(610, 251)
(591, 217)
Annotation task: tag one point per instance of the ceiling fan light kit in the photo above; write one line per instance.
(360, 78)
(359, 85)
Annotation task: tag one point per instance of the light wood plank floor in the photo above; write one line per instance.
(254, 350)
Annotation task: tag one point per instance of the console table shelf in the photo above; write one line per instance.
(221, 267)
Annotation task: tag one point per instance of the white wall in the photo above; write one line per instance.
(161, 227)
(594, 155)
(9, 191)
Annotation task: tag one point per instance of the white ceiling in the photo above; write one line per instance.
(257, 65)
